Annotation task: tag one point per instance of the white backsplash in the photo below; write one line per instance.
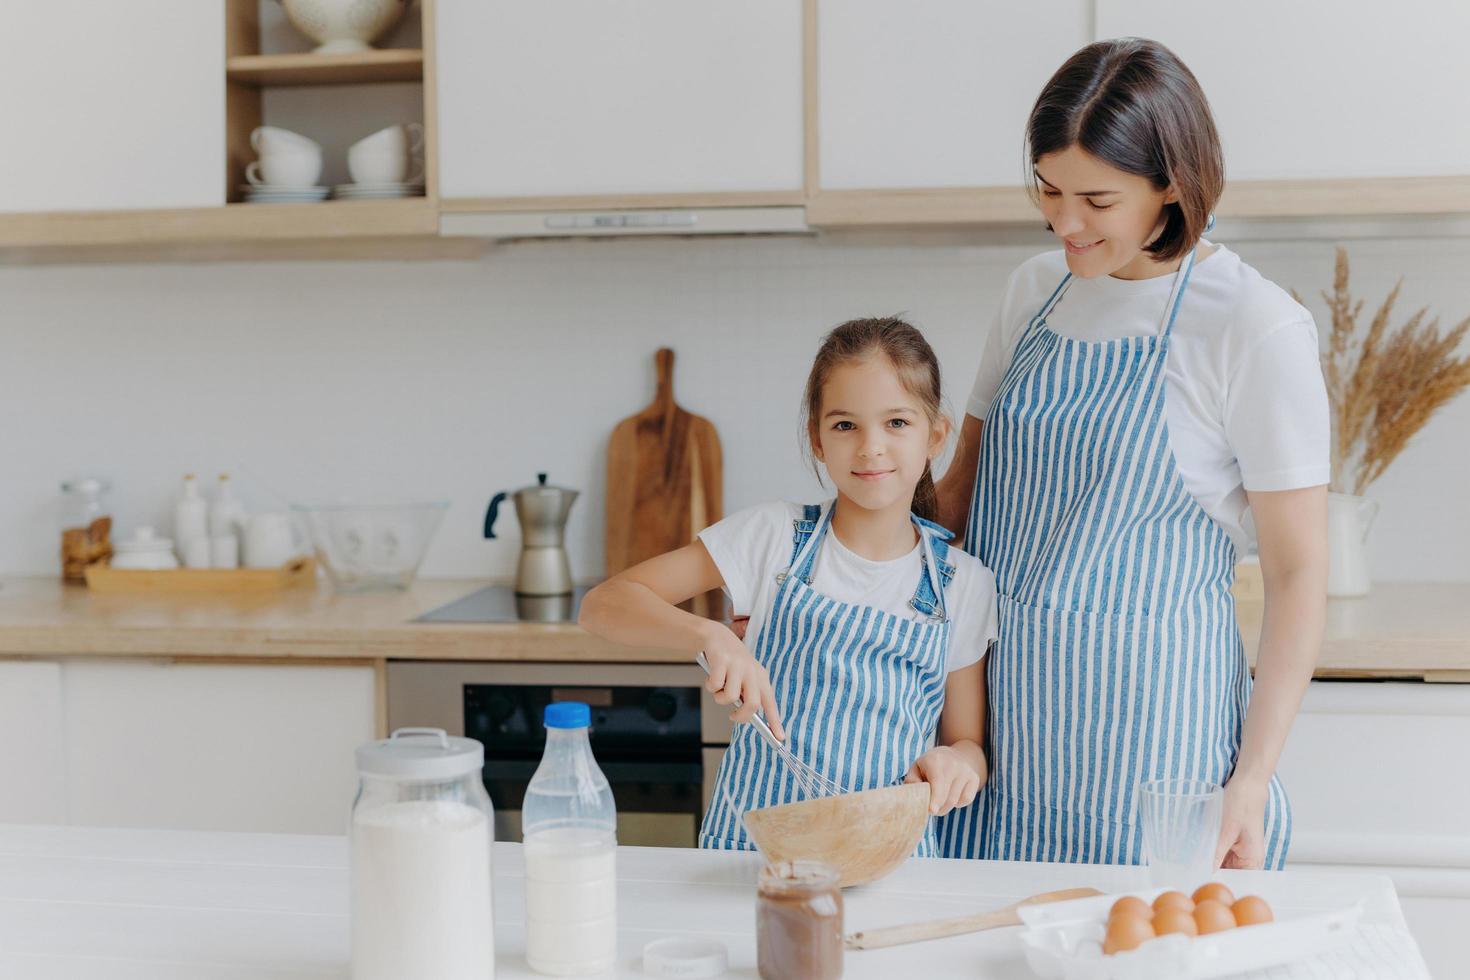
(459, 379)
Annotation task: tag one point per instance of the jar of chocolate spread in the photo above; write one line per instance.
(798, 921)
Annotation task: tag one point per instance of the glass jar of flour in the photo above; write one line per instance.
(420, 860)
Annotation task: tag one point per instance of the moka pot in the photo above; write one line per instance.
(543, 568)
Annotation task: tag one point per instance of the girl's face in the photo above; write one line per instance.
(1103, 216)
(874, 436)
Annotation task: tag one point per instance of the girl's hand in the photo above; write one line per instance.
(1243, 825)
(952, 780)
(734, 673)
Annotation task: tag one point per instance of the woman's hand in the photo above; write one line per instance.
(1243, 824)
(734, 673)
(952, 777)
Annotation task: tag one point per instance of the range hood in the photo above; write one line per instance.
(784, 220)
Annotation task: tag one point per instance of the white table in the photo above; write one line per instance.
(84, 903)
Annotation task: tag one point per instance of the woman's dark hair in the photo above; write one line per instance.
(1133, 104)
(918, 371)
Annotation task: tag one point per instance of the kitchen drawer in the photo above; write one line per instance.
(1379, 781)
(1379, 761)
(32, 742)
(242, 747)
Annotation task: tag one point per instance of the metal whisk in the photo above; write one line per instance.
(813, 783)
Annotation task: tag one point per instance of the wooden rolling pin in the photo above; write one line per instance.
(917, 932)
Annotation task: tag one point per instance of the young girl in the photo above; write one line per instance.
(866, 631)
(1141, 388)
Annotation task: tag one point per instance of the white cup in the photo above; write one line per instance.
(271, 540)
(285, 168)
(264, 139)
(384, 157)
(224, 551)
(196, 552)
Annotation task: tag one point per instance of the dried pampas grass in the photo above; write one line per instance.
(1384, 384)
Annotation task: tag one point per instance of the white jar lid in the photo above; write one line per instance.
(685, 957)
(421, 753)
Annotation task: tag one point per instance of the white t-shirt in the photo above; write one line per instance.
(1243, 391)
(751, 546)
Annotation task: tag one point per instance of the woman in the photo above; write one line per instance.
(1139, 391)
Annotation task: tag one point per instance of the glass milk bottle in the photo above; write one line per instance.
(420, 857)
(570, 827)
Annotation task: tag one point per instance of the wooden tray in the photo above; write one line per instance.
(295, 574)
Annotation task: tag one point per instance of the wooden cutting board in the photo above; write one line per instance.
(665, 482)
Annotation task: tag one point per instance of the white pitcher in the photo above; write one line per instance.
(1348, 520)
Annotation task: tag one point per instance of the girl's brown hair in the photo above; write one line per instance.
(918, 372)
(1133, 104)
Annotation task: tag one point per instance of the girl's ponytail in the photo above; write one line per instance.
(926, 496)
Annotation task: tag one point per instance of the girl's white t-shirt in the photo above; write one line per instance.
(1244, 396)
(751, 546)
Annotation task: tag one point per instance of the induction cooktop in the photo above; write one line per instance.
(501, 604)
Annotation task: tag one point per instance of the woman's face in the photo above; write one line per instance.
(1103, 216)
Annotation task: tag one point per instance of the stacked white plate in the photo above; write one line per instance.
(263, 194)
(376, 192)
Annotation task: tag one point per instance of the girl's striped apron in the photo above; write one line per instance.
(1118, 659)
(860, 688)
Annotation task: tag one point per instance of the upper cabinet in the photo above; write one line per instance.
(1319, 88)
(921, 108)
(112, 105)
(934, 94)
(648, 99)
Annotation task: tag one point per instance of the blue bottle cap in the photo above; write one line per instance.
(568, 714)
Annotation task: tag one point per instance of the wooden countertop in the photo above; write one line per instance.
(46, 617)
(1400, 630)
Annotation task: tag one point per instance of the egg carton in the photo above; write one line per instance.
(1064, 939)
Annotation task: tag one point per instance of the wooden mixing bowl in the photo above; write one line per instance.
(863, 835)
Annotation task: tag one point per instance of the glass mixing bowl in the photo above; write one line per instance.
(367, 545)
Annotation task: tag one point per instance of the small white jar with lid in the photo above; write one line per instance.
(422, 826)
(144, 549)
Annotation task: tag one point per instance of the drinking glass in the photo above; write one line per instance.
(1181, 828)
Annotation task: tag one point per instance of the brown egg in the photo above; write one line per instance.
(1173, 900)
(1131, 905)
(1172, 920)
(1251, 910)
(1216, 891)
(1126, 932)
(1212, 916)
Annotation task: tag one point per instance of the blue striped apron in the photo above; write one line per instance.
(1119, 659)
(861, 688)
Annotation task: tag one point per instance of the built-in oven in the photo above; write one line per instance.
(656, 733)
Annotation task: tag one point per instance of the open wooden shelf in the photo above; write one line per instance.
(405, 229)
(266, 70)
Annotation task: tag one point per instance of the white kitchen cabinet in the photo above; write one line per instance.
(1321, 88)
(1379, 780)
(112, 105)
(616, 97)
(32, 757)
(935, 94)
(214, 746)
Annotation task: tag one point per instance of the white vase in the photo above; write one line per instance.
(1349, 519)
